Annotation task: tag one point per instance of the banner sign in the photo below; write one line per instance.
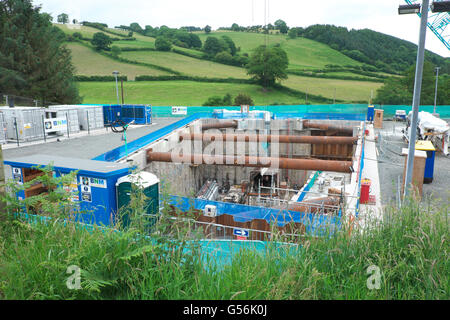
(55, 125)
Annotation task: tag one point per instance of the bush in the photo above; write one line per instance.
(223, 57)
(116, 51)
(101, 41)
(243, 99)
(213, 101)
(163, 44)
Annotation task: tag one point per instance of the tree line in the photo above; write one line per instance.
(34, 61)
(399, 90)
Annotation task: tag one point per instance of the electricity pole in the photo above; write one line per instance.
(435, 90)
(115, 73)
(416, 97)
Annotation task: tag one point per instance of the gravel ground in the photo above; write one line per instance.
(86, 146)
(391, 166)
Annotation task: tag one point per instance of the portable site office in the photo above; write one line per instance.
(94, 188)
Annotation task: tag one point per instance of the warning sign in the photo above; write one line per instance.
(72, 188)
(17, 175)
(86, 194)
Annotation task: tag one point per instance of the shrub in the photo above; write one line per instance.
(243, 99)
(224, 57)
(163, 44)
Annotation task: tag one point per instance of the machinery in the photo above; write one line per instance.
(430, 128)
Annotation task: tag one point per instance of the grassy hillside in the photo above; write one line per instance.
(302, 53)
(186, 65)
(347, 90)
(185, 93)
(88, 62)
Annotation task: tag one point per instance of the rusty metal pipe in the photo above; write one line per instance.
(220, 125)
(314, 205)
(269, 138)
(251, 161)
(326, 126)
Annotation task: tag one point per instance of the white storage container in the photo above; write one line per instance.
(29, 120)
(3, 129)
(70, 114)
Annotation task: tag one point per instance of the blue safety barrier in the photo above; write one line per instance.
(121, 152)
(321, 116)
(315, 224)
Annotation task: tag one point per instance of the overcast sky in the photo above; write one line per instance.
(378, 15)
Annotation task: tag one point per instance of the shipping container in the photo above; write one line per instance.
(111, 113)
(91, 116)
(88, 115)
(24, 123)
(3, 129)
(68, 113)
(140, 114)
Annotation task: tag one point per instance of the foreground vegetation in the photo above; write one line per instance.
(410, 249)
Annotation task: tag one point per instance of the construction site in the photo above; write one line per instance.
(234, 174)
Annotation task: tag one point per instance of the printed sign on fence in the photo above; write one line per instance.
(243, 233)
(179, 110)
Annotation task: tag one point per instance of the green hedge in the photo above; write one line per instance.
(136, 49)
(99, 78)
(302, 95)
(197, 79)
(327, 76)
(238, 61)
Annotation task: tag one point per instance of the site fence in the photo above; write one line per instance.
(389, 110)
(316, 224)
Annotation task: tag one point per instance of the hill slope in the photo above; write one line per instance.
(304, 54)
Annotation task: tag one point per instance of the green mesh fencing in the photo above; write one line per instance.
(389, 110)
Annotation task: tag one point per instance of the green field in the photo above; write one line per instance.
(86, 32)
(185, 93)
(303, 54)
(347, 90)
(186, 65)
(90, 63)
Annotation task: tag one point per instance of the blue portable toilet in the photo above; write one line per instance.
(94, 188)
(427, 146)
(370, 113)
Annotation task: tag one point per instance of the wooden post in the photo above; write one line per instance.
(420, 158)
(2, 184)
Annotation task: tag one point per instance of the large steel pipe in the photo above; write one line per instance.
(220, 125)
(315, 205)
(325, 126)
(270, 138)
(249, 161)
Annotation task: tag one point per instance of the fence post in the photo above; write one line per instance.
(88, 125)
(43, 128)
(67, 124)
(17, 131)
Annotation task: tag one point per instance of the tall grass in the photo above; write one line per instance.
(409, 248)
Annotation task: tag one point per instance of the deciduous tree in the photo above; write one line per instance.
(34, 62)
(267, 65)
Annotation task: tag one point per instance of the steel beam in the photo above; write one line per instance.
(220, 125)
(257, 162)
(270, 138)
(325, 126)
